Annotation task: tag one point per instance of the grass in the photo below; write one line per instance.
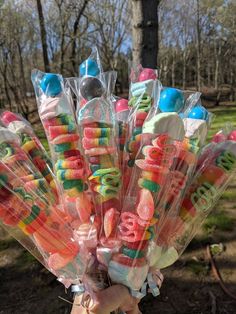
(219, 221)
(222, 116)
(229, 195)
(25, 260)
(198, 267)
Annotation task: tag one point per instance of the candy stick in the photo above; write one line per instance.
(42, 231)
(140, 102)
(57, 116)
(209, 182)
(30, 144)
(189, 136)
(98, 130)
(165, 158)
(17, 161)
(137, 227)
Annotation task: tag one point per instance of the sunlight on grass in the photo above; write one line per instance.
(219, 221)
(229, 195)
(198, 267)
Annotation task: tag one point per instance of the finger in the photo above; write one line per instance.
(111, 299)
(135, 310)
(77, 308)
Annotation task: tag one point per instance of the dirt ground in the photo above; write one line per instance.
(189, 286)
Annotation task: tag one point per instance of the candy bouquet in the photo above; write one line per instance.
(128, 184)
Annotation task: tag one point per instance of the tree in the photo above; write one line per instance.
(145, 32)
(43, 36)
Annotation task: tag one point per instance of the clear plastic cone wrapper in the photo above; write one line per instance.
(30, 214)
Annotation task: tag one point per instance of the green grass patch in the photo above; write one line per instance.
(219, 221)
(25, 260)
(198, 267)
(222, 116)
(229, 195)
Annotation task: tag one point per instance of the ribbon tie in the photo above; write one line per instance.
(152, 285)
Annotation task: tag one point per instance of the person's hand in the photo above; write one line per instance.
(108, 300)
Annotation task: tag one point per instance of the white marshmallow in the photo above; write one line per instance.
(53, 106)
(131, 277)
(195, 128)
(166, 123)
(162, 257)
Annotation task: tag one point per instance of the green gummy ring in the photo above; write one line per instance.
(71, 127)
(94, 168)
(156, 214)
(59, 148)
(103, 141)
(149, 185)
(35, 210)
(42, 185)
(70, 184)
(9, 151)
(105, 132)
(132, 253)
(65, 119)
(35, 153)
(107, 190)
(137, 131)
(3, 180)
(103, 125)
(45, 172)
(27, 196)
(152, 231)
(108, 171)
(20, 191)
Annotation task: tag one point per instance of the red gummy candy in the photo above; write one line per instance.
(145, 208)
(110, 221)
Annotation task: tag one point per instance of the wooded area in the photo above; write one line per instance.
(192, 43)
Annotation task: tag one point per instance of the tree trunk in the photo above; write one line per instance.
(208, 74)
(43, 36)
(22, 72)
(217, 64)
(75, 31)
(145, 32)
(4, 75)
(184, 68)
(173, 69)
(198, 48)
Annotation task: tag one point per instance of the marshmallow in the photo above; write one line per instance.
(132, 277)
(97, 109)
(19, 127)
(160, 257)
(195, 128)
(166, 123)
(52, 107)
(140, 88)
